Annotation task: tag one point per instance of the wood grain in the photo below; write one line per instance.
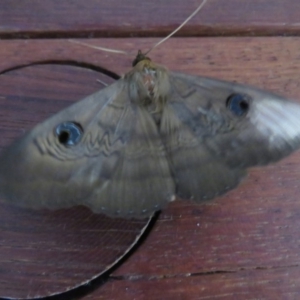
(258, 283)
(117, 18)
(244, 245)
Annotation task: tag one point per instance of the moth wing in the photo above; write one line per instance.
(198, 173)
(210, 147)
(118, 167)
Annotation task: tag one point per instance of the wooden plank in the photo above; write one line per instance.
(263, 284)
(117, 18)
(266, 63)
(253, 227)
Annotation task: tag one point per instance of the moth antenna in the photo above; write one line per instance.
(99, 48)
(179, 27)
(157, 44)
(102, 82)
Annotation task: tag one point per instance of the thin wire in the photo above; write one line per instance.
(179, 27)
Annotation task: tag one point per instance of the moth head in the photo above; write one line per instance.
(140, 57)
(149, 84)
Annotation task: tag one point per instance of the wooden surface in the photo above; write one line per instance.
(244, 245)
(94, 18)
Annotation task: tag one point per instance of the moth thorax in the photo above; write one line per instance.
(149, 86)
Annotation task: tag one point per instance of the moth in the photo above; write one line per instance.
(151, 136)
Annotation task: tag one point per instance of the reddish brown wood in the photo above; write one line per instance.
(268, 63)
(243, 245)
(266, 284)
(93, 18)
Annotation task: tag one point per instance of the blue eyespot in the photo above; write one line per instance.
(69, 133)
(238, 104)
